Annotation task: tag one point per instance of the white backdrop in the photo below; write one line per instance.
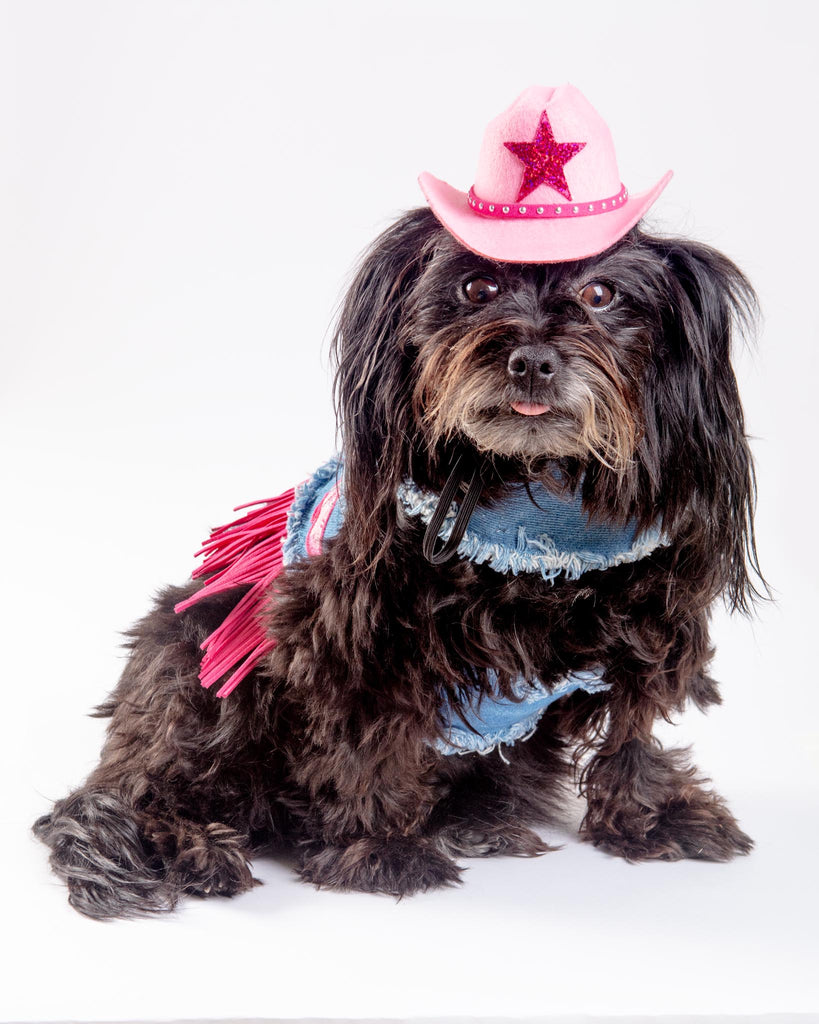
(184, 188)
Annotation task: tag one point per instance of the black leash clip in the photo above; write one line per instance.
(465, 510)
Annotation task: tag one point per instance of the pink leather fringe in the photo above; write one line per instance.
(248, 550)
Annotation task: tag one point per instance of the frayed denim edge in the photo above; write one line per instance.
(479, 743)
(546, 559)
(298, 517)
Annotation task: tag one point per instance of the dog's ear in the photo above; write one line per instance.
(374, 353)
(695, 452)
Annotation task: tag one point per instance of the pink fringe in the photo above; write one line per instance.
(248, 550)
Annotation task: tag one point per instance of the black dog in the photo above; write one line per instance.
(328, 748)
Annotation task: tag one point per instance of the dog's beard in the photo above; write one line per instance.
(463, 390)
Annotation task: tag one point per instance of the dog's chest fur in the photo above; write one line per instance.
(457, 632)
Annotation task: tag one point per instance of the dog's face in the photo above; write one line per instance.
(532, 363)
(616, 369)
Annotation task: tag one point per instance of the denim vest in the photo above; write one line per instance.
(545, 533)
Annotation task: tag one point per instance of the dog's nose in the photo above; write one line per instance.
(530, 365)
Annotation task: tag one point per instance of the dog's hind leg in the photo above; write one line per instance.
(119, 861)
(183, 780)
(98, 850)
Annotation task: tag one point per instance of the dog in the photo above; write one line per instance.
(494, 592)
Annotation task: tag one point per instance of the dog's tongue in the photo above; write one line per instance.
(529, 408)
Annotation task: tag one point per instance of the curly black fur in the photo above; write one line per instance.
(325, 750)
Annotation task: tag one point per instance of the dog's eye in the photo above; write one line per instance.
(596, 295)
(481, 289)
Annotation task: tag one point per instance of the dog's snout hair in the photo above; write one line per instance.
(469, 379)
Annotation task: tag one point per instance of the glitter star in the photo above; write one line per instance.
(543, 160)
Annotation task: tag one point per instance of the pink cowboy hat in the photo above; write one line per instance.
(547, 187)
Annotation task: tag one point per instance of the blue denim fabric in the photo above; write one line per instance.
(308, 497)
(514, 535)
(493, 720)
(551, 537)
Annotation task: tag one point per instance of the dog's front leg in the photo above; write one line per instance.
(371, 791)
(356, 713)
(648, 803)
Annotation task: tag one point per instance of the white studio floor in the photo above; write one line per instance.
(574, 933)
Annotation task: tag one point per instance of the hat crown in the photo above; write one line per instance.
(571, 146)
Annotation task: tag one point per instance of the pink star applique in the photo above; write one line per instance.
(543, 160)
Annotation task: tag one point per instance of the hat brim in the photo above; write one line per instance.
(527, 240)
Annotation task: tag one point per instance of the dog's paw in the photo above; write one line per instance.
(482, 839)
(397, 866)
(697, 827)
(211, 861)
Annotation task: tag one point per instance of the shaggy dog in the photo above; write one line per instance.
(329, 748)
